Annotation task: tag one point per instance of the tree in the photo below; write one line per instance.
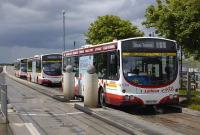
(178, 20)
(109, 27)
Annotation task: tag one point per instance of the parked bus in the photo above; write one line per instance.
(142, 71)
(21, 68)
(29, 68)
(47, 69)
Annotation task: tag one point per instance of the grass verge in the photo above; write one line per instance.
(193, 102)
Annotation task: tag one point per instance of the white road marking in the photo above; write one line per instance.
(32, 129)
(46, 114)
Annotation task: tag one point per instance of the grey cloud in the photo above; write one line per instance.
(38, 23)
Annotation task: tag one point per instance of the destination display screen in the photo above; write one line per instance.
(51, 57)
(24, 61)
(148, 44)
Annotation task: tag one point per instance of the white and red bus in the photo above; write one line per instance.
(21, 68)
(29, 68)
(46, 69)
(142, 71)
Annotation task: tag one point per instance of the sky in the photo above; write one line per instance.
(30, 27)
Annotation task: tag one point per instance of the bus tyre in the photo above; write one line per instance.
(102, 102)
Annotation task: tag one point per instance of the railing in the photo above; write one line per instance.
(3, 97)
(190, 80)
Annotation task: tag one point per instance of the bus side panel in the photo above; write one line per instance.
(33, 79)
(84, 63)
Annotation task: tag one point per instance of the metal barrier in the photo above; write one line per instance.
(3, 92)
(3, 97)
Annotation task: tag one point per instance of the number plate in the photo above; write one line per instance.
(151, 101)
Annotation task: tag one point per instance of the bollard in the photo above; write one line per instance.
(91, 88)
(68, 83)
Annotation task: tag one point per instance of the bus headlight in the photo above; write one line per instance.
(126, 98)
(132, 97)
(170, 96)
(175, 96)
(123, 91)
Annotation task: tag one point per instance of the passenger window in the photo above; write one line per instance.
(100, 63)
(38, 66)
(113, 65)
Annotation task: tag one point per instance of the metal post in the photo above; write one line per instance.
(63, 30)
(181, 75)
(188, 85)
(74, 44)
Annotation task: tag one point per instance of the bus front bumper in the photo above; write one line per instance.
(50, 81)
(121, 100)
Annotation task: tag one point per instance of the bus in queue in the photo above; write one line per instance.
(29, 68)
(47, 69)
(21, 68)
(134, 71)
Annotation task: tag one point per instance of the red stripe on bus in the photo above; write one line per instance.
(160, 86)
(120, 100)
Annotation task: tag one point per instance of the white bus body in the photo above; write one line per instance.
(142, 71)
(21, 68)
(29, 68)
(46, 69)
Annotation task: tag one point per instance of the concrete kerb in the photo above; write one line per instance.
(45, 91)
(111, 122)
(37, 88)
(57, 96)
(89, 111)
(191, 112)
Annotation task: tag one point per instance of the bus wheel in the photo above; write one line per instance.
(102, 98)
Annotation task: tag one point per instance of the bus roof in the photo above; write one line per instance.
(94, 48)
(19, 59)
(51, 54)
(146, 38)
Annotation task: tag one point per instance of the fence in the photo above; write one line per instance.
(3, 92)
(190, 80)
(3, 97)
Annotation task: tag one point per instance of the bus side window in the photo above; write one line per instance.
(100, 63)
(64, 63)
(76, 66)
(113, 65)
(38, 66)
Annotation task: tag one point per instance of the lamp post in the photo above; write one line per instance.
(63, 13)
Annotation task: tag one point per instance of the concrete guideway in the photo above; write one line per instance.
(131, 124)
(38, 114)
(151, 124)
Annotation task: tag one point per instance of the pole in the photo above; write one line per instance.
(63, 30)
(74, 44)
(188, 85)
(181, 66)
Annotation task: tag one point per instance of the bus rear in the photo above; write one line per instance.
(149, 72)
(29, 69)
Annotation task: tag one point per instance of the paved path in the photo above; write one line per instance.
(37, 114)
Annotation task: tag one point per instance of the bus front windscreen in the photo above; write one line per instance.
(23, 67)
(149, 68)
(52, 68)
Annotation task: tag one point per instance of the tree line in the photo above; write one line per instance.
(174, 19)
